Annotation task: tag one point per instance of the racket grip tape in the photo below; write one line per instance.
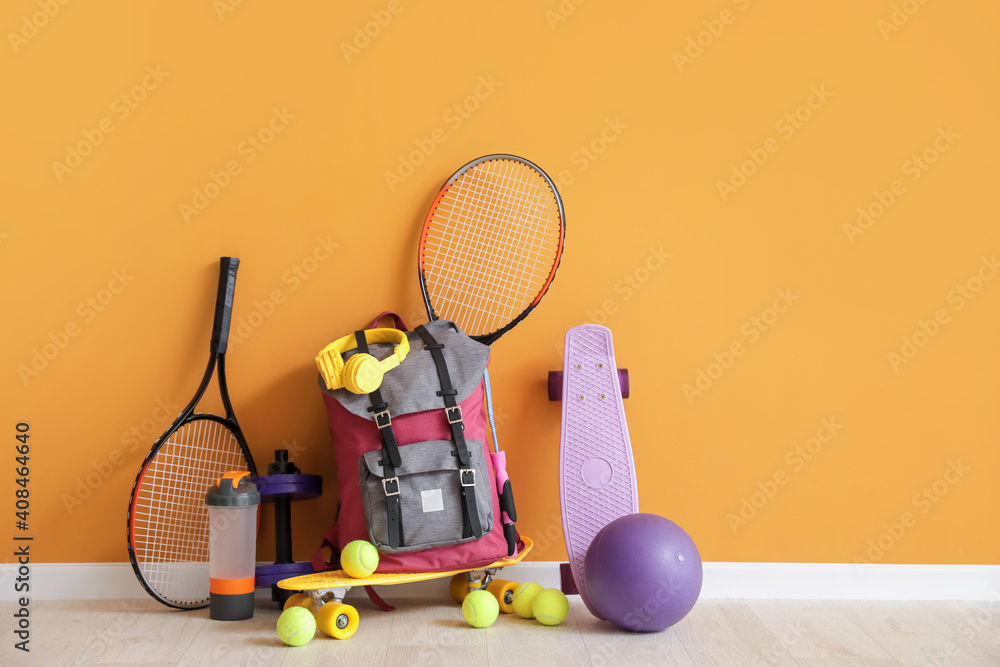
(224, 304)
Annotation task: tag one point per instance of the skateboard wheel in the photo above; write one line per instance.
(458, 588)
(503, 591)
(556, 382)
(337, 620)
(300, 600)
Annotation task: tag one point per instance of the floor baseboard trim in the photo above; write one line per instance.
(775, 581)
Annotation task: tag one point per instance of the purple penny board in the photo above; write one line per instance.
(596, 469)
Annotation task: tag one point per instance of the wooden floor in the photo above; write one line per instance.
(432, 632)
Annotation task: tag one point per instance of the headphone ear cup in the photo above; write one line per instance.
(362, 374)
(331, 366)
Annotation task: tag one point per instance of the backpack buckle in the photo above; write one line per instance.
(383, 419)
(465, 474)
(450, 414)
(394, 481)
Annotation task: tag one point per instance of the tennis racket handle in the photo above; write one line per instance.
(224, 304)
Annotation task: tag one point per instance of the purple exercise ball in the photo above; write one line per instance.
(642, 572)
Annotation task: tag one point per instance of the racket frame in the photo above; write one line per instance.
(492, 337)
(217, 358)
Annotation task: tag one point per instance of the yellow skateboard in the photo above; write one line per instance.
(340, 620)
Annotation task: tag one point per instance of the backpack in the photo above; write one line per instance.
(415, 474)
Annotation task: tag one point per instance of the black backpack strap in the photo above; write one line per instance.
(390, 456)
(453, 413)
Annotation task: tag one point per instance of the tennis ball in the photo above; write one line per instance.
(300, 600)
(550, 607)
(524, 597)
(296, 626)
(359, 559)
(480, 609)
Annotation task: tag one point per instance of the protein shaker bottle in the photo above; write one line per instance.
(232, 546)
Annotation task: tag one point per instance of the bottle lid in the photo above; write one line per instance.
(234, 489)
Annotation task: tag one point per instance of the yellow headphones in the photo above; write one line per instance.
(362, 374)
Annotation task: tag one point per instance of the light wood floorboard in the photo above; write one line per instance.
(728, 633)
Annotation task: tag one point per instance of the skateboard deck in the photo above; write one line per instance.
(597, 472)
(336, 579)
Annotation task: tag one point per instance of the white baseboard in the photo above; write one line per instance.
(789, 581)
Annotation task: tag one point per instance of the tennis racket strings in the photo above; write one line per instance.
(170, 522)
(491, 244)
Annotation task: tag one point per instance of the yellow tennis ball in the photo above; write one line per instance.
(296, 626)
(359, 559)
(480, 609)
(550, 607)
(524, 597)
(301, 600)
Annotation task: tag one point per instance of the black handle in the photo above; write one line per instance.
(224, 304)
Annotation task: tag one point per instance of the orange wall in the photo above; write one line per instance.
(739, 138)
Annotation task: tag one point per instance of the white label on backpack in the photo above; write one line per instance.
(432, 500)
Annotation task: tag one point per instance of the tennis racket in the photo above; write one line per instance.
(489, 249)
(491, 245)
(167, 518)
